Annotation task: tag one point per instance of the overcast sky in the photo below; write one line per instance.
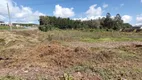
(30, 10)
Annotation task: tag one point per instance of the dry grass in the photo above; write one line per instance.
(37, 55)
(74, 35)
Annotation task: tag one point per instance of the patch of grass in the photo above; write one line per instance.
(10, 78)
(4, 27)
(115, 73)
(66, 77)
(127, 55)
(42, 78)
(75, 35)
(2, 42)
(133, 54)
(82, 68)
(8, 28)
(110, 39)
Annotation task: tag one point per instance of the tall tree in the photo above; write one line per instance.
(117, 22)
(118, 17)
(108, 15)
(108, 23)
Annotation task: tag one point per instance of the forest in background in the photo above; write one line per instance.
(107, 23)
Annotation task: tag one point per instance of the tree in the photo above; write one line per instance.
(44, 20)
(108, 23)
(108, 15)
(126, 25)
(118, 17)
(117, 22)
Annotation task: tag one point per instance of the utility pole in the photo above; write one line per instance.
(10, 25)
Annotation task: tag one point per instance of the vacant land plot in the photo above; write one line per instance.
(70, 55)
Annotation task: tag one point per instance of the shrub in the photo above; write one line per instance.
(66, 77)
(46, 28)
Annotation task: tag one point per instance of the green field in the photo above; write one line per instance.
(8, 28)
(95, 36)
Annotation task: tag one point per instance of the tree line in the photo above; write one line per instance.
(108, 23)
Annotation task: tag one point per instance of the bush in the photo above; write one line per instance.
(46, 28)
(66, 77)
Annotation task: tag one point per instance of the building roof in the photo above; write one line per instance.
(1, 21)
(137, 27)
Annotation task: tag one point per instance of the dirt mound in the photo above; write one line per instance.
(56, 55)
(16, 40)
(54, 59)
(104, 56)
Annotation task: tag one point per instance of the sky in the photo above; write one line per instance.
(28, 11)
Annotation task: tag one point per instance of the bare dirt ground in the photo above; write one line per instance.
(23, 54)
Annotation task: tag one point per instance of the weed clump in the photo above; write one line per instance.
(2, 42)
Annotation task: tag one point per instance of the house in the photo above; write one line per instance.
(141, 27)
(23, 24)
(132, 29)
(2, 23)
(137, 27)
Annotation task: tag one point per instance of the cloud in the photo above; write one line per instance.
(18, 13)
(63, 12)
(81, 18)
(105, 5)
(139, 19)
(2, 17)
(127, 18)
(141, 1)
(94, 12)
(121, 5)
